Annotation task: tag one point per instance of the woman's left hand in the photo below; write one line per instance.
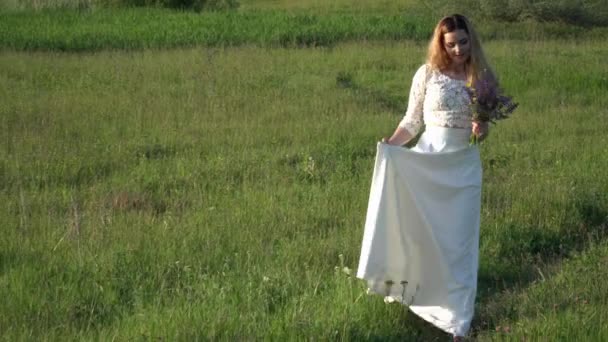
(481, 130)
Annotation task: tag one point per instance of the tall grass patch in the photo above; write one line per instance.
(142, 28)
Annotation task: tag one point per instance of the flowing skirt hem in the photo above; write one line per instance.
(428, 313)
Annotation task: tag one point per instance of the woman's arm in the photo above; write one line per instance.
(412, 121)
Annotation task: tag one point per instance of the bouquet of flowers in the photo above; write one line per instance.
(488, 103)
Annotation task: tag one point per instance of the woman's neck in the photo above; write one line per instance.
(457, 69)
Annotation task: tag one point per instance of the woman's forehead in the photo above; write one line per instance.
(455, 36)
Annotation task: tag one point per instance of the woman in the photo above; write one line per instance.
(421, 239)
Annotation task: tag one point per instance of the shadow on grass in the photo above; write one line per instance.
(366, 95)
(531, 254)
(410, 328)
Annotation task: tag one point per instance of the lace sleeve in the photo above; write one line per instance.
(412, 120)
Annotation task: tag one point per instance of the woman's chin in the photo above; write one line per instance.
(457, 60)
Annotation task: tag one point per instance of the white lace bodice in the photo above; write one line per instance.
(438, 100)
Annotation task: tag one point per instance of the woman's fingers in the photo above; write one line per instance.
(475, 128)
(480, 128)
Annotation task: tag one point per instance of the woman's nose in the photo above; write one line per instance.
(457, 49)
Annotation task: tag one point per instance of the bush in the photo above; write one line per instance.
(20, 5)
(192, 5)
(195, 5)
(578, 12)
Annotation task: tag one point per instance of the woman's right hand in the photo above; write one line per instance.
(400, 137)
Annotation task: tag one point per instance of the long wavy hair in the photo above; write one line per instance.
(476, 66)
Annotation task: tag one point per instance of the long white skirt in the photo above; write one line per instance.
(421, 240)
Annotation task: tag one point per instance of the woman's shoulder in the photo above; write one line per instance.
(424, 72)
(428, 67)
(424, 68)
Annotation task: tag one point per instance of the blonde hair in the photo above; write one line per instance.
(476, 66)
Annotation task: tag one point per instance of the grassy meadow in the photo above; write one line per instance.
(218, 192)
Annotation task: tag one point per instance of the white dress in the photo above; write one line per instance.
(421, 240)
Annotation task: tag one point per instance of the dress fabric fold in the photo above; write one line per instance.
(421, 239)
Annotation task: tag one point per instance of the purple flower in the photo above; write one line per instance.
(488, 103)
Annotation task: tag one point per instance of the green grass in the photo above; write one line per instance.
(135, 29)
(155, 28)
(219, 193)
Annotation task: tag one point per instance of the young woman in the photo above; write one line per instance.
(421, 239)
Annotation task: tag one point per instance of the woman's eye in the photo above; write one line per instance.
(450, 45)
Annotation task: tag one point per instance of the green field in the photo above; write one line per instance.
(218, 191)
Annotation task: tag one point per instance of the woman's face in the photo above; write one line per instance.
(457, 45)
